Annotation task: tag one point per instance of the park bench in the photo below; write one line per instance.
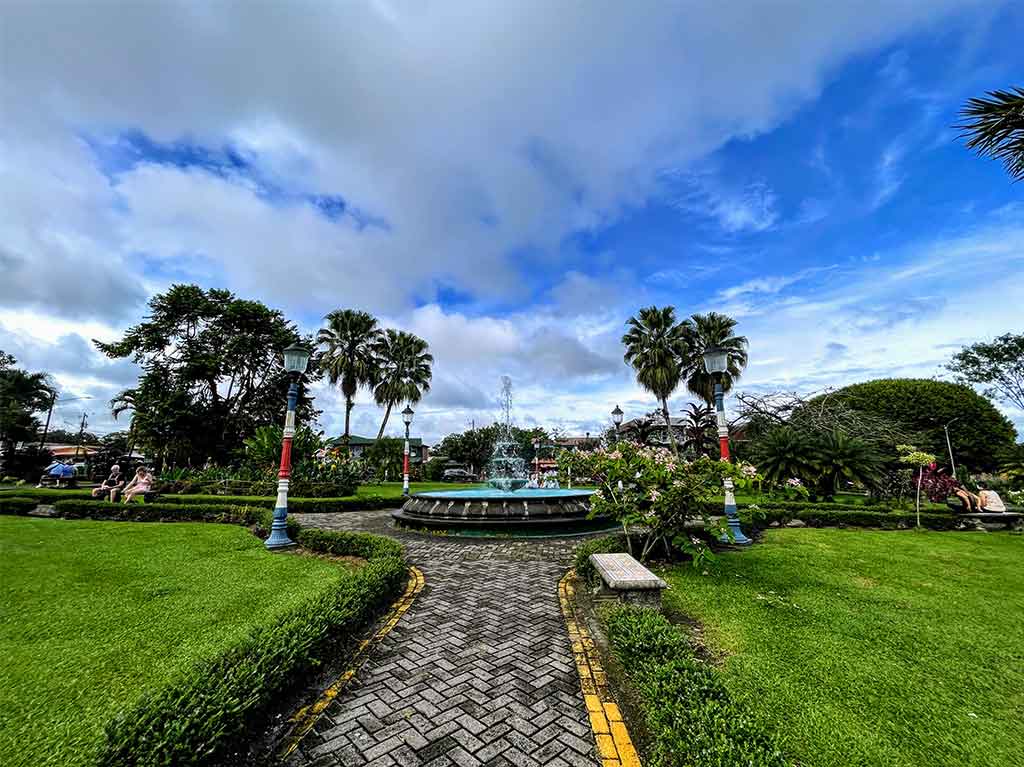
(626, 580)
(1011, 519)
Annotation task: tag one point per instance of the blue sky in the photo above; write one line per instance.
(512, 187)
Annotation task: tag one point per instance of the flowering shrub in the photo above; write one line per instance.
(653, 487)
(937, 484)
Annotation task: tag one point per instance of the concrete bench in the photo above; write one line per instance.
(625, 579)
(990, 520)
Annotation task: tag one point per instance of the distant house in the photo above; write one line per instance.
(418, 452)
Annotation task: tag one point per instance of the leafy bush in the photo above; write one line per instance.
(820, 516)
(158, 512)
(16, 505)
(201, 718)
(609, 544)
(691, 718)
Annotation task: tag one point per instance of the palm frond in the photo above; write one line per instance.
(994, 127)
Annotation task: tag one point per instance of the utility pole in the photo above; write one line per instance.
(46, 429)
(78, 442)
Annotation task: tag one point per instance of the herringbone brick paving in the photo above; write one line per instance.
(478, 672)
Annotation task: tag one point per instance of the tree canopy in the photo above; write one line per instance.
(994, 127)
(978, 432)
(22, 395)
(211, 373)
(997, 364)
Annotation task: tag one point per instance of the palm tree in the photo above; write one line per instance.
(22, 394)
(349, 340)
(404, 371)
(704, 332)
(655, 347)
(785, 453)
(698, 429)
(841, 458)
(995, 125)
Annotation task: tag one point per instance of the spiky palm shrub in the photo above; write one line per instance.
(786, 453)
(842, 458)
(995, 127)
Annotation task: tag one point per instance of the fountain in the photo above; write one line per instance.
(506, 505)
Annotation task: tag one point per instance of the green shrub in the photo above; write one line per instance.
(160, 512)
(827, 517)
(204, 716)
(342, 543)
(44, 493)
(609, 544)
(15, 505)
(689, 714)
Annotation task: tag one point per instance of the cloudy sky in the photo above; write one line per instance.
(511, 181)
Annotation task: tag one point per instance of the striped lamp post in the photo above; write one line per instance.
(716, 362)
(407, 420)
(296, 358)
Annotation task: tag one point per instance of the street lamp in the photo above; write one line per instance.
(536, 459)
(407, 418)
(716, 362)
(949, 445)
(617, 420)
(296, 358)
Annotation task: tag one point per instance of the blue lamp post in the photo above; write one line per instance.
(296, 358)
(716, 362)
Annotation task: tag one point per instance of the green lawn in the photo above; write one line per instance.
(93, 613)
(394, 489)
(872, 648)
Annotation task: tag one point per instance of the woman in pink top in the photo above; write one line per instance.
(141, 484)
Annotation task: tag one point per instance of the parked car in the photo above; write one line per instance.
(458, 475)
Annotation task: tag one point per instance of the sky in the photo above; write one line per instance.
(511, 182)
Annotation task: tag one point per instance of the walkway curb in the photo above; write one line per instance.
(306, 718)
(614, 746)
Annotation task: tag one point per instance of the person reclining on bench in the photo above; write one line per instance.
(984, 501)
(141, 484)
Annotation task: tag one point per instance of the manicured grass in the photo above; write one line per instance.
(394, 489)
(94, 613)
(872, 648)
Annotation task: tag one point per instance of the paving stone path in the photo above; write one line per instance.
(478, 672)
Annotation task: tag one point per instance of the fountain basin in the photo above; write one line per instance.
(489, 509)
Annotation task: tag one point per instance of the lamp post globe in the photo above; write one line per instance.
(617, 419)
(716, 362)
(407, 415)
(296, 358)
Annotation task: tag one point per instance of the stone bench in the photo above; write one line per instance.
(990, 520)
(625, 579)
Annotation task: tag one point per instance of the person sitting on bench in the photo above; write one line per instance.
(141, 484)
(66, 471)
(51, 472)
(111, 485)
(984, 501)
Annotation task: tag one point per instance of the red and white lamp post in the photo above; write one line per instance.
(296, 358)
(407, 418)
(716, 362)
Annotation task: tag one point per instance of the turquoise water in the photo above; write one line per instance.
(493, 494)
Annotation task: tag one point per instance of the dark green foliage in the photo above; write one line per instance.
(784, 453)
(349, 359)
(204, 716)
(404, 371)
(923, 406)
(842, 459)
(342, 543)
(825, 515)
(609, 544)
(159, 512)
(689, 714)
(211, 373)
(704, 331)
(17, 505)
(384, 458)
(995, 126)
(22, 395)
(997, 364)
(174, 506)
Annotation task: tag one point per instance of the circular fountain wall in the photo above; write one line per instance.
(548, 511)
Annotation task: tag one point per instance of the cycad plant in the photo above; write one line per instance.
(785, 453)
(703, 332)
(656, 345)
(995, 127)
(349, 342)
(699, 429)
(842, 458)
(404, 364)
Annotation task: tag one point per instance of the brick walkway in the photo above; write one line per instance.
(478, 672)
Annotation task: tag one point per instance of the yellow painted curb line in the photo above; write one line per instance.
(614, 745)
(308, 716)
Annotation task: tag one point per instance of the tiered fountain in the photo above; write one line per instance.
(507, 505)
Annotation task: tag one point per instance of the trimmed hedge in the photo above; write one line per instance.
(206, 716)
(888, 520)
(15, 505)
(305, 505)
(832, 506)
(690, 717)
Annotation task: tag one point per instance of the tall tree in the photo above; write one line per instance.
(997, 364)
(350, 339)
(994, 125)
(211, 373)
(404, 371)
(656, 345)
(22, 395)
(703, 332)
